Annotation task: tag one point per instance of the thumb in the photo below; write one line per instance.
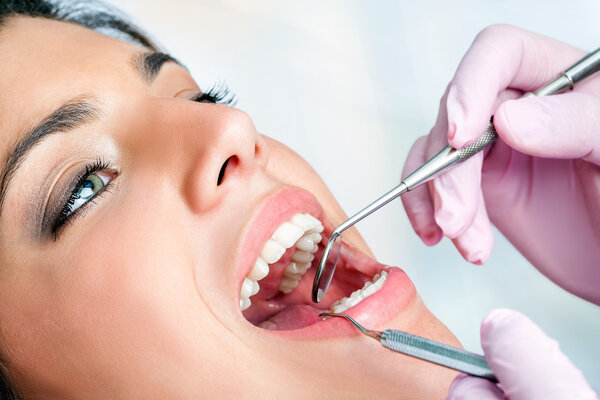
(529, 364)
(559, 126)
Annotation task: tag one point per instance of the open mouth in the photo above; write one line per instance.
(276, 293)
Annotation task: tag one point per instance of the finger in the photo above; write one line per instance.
(476, 243)
(417, 202)
(561, 126)
(457, 195)
(455, 192)
(529, 364)
(465, 387)
(501, 56)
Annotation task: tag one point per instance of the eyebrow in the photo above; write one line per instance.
(148, 64)
(69, 116)
(72, 115)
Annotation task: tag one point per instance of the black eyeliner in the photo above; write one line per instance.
(65, 214)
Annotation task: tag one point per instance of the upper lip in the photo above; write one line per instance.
(275, 209)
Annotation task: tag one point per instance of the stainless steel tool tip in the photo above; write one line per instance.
(374, 334)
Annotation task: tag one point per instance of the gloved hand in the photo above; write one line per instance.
(539, 183)
(528, 364)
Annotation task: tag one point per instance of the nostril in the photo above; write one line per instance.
(222, 172)
(231, 162)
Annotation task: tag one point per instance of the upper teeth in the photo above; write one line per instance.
(359, 295)
(302, 230)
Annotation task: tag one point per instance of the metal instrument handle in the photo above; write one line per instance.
(438, 353)
(488, 137)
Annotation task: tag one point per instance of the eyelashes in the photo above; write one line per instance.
(90, 184)
(218, 93)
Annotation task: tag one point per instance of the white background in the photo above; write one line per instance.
(350, 85)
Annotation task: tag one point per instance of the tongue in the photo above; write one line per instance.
(293, 317)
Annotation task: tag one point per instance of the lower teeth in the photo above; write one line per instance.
(359, 295)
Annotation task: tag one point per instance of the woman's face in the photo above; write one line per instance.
(132, 219)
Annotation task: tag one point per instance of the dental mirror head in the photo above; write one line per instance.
(326, 267)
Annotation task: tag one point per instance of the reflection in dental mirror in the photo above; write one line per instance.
(326, 267)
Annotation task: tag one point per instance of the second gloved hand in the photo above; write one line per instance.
(528, 364)
(539, 183)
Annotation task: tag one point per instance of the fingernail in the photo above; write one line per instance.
(475, 259)
(472, 254)
(451, 130)
(431, 236)
(455, 118)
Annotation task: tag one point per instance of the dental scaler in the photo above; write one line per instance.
(426, 349)
(442, 161)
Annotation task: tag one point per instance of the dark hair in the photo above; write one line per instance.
(94, 15)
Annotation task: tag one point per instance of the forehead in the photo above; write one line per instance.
(44, 63)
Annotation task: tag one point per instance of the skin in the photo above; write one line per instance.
(136, 297)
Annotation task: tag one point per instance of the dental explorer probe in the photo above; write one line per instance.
(446, 158)
(427, 349)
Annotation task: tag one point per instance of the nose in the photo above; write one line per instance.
(207, 148)
(225, 148)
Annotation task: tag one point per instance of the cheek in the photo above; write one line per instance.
(135, 289)
(288, 167)
(125, 295)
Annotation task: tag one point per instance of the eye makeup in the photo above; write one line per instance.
(72, 199)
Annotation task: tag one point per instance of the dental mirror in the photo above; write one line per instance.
(326, 267)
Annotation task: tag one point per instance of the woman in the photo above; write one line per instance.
(140, 218)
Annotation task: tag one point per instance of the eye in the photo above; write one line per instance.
(89, 185)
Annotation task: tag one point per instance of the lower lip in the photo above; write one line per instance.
(374, 311)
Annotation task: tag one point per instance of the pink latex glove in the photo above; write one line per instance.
(539, 183)
(528, 364)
